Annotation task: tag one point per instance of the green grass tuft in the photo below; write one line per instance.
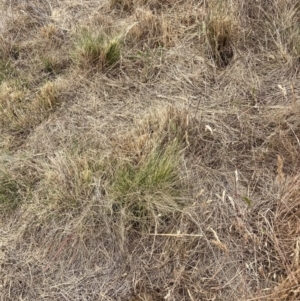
(9, 193)
(112, 52)
(96, 50)
(151, 188)
(5, 70)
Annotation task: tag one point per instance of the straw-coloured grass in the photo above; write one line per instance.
(18, 112)
(149, 150)
(149, 30)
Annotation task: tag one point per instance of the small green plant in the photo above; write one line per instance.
(96, 50)
(9, 193)
(247, 200)
(53, 64)
(151, 188)
(2, 71)
(5, 70)
(112, 52)
(48, 65)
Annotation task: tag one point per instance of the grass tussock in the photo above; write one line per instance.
(220, 35)
(152, 147)
(156, 129)
(12, 111)
(146, 184)
(148, 192)
(9, 193)
(286, 216)
(150, 30)
(96, 51)
(50, 32)
(20, 110)
(4, 71)
(222, 32)
(284, 141)
(16, 178)
(72, 175)
(52, 64)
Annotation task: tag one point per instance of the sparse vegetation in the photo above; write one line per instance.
(152, 147)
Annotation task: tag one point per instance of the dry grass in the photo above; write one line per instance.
(149, 30)
(20, 110)
(149, 150)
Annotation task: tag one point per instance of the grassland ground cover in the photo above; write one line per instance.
(150, 150)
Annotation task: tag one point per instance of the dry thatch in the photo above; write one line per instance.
(149, 150)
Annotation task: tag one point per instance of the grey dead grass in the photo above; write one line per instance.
(235, 238)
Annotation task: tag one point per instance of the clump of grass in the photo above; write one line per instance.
(49, 31)
(282, 237)
(53, 40)
(9, 193)
(283, 139)
(20, 110)
(52, 50)
(8, 52)
(150, 30)
(67, 182)
(49, 64)
(48, 96)
(151, 189)
(157, 128)
(287, 41)
(220, 32)
(112, 52)
(149, 186)
(89, 49)
(4, 70)
(125, 5)
(13, 107)
(52, 64)
(96, 51)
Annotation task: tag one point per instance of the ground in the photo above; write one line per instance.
(149, 150)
